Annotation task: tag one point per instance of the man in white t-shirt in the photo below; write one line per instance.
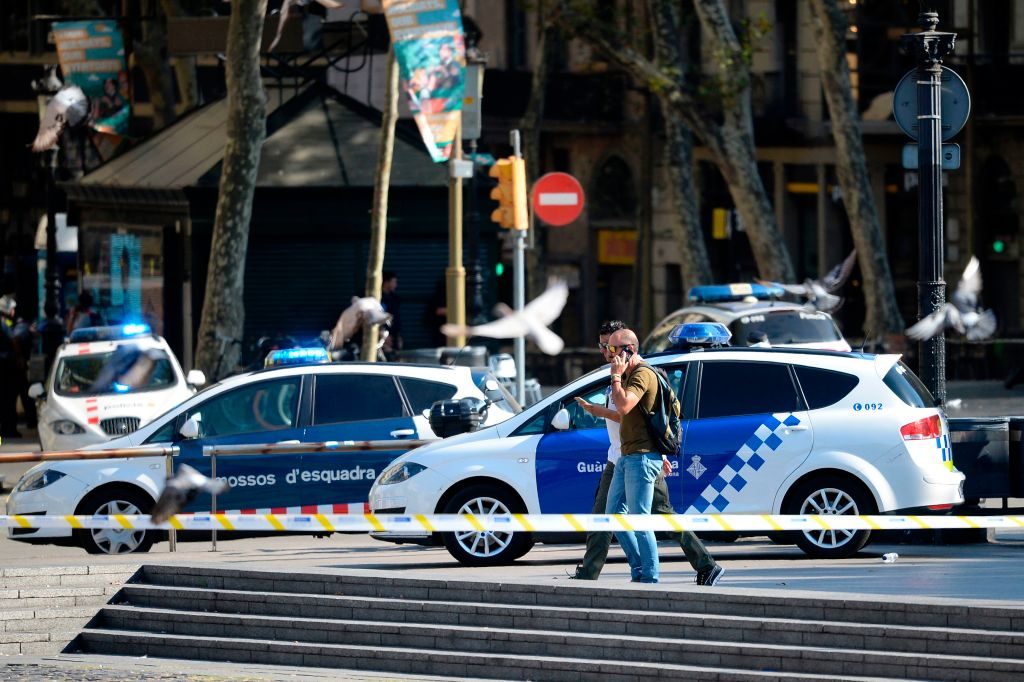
(708, 572)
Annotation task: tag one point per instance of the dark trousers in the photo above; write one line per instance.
(598, 543)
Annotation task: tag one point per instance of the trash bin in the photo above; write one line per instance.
(981, 450)
(1016, 456)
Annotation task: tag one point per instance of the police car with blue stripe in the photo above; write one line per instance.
(299, 398)
(755, 315)
(765, 430)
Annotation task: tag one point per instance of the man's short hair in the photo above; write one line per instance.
(609, 327)
(388, 275)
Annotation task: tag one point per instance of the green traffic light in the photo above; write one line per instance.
(998, 246)
(499, 269)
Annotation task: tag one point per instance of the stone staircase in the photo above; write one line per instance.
(558, 631)
(42, 609)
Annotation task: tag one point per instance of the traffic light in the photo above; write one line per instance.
(510, 193)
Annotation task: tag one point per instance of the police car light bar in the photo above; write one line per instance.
(699, 334)
(717, 293)
(297, 356)
(112, 333)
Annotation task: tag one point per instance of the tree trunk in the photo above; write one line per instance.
(379, 217)
(694, 265)
(223, 317)
(530, 124)
(882, 316)
(735, 152)
(693, 253)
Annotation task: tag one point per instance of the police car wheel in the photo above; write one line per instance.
(828, 495)
(488, 548)
(115, 500)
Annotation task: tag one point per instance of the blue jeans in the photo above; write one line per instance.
(632, 492)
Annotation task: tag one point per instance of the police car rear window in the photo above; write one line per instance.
(824, 387)
(785, 327)
(905, 384)
(422, 393)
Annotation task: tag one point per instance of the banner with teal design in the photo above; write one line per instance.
(92, 57)
(428, 42)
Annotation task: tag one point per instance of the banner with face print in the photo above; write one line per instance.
(92, 57)
(428, 42)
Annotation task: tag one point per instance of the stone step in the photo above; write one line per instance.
(558, 643)
(407, 659)
(727, 628)
(720, 601)
(65, 576)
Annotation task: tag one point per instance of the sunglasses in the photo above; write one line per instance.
(614, 350)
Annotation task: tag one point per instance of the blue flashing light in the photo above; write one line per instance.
(718, 293)
(297, 356)
(114, 333)
(699, 334)
(121, 388)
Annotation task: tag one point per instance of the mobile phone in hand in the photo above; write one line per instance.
(626, 353)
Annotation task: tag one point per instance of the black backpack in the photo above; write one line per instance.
(663, 421)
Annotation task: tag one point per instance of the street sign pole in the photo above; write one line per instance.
(930, 46)
(519, 286)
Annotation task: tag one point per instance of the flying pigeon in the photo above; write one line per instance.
(821, 293)
(181, 490)
(367, 310)
(69, 108)
(286, 9)
(961, 313)
(532, 321)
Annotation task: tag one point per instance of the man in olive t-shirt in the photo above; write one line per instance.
(632, 487)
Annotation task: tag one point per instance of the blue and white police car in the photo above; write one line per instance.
(289, 402)
(754, 314)
(106, 382)
(766, 430)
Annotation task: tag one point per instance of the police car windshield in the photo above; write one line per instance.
(126, 369)
(784, 327)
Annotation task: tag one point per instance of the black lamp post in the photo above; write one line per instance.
(930, 46)
(474, 275)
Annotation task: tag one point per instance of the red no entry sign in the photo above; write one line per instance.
(557, 199)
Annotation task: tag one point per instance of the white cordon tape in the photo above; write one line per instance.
(548, 523)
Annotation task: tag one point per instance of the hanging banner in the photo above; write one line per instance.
(428, 42)
(92, 57)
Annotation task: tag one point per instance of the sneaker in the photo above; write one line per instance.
(710, 577)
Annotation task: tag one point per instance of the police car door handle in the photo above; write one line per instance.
(403, 433)
(797, 427)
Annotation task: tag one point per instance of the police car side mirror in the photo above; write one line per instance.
(561, 420)
(191, 428)
(195, 377)
(36, 391)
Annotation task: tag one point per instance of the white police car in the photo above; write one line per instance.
(105, 383)
(754, 314)
(287, 403)
(766, 430)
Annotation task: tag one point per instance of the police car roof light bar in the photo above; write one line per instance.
(297, 356)
(719, 293)
(699, 335)
(111, 333)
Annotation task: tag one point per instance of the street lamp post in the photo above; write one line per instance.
(929, 47)
(477, 63)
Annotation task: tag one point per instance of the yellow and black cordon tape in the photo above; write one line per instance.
(544, 523)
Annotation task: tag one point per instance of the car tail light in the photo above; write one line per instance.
(922, 429)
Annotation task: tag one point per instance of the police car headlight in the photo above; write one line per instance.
(400, 473)
(66, 427)
(39, 479)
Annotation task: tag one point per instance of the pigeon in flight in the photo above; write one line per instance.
(821, 293)
(181, 490)
(366, 310)
(69, 108)
(532, 321)
(961, 313)
(286, 10)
